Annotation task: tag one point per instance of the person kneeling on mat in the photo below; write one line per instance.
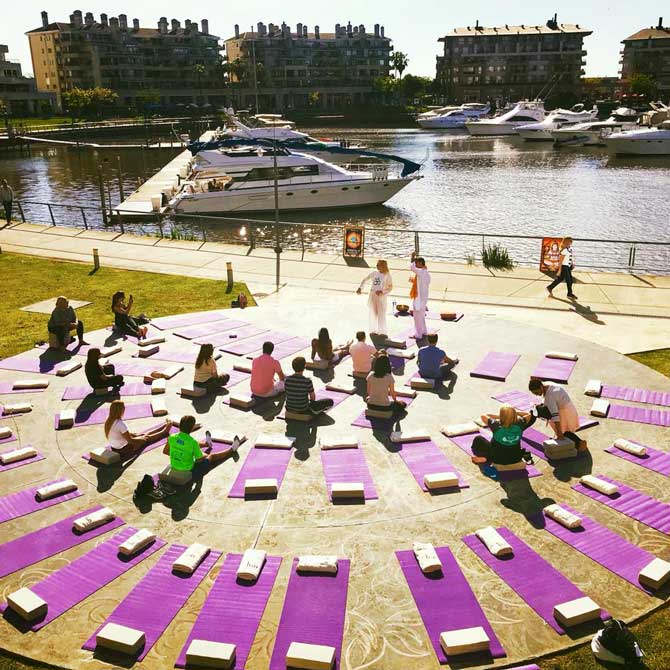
(504, 448)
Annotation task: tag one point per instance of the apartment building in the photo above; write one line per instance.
(647, 52)
(508, 63)
(19, 94)
(301, 69)
(179, 65)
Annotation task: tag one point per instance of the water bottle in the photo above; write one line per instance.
(395, 311)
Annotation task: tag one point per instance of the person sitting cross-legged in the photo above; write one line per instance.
(206, 374)
(433, 361)
(263, 371)
(381, 394)
(100, 376)
(300, 396)
(504, 448)
(322, 346)
(362, 354)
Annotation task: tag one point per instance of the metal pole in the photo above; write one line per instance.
(23, 216)
(96, 259)
(229, 277)
(51, 214)
(277, 245)
(416, 243)
(120, 178)
(101, 186)
(83, 216)
(253, 59)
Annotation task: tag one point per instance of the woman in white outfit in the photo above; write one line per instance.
(381, 285)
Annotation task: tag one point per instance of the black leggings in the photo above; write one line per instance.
(126, 325)
(213, 384)
(395, 407)
(8, 210)
(484, 449)
(61, 331)
(566, 276)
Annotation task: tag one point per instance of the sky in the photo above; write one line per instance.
(414, 28)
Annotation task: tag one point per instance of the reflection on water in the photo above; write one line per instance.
(470, 185)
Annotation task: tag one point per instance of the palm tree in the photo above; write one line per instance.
(399, 62)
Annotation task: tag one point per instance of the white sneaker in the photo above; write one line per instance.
(208, 440)
(236, 444)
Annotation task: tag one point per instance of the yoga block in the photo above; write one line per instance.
(558, 449)
(258, 486)
(563, 355)
(242, 367)
(68, 368)
(150, 341)
(193, 391)
(136, 542)
(655, 574)
(394, 344)
(510, 467)
(296, 416)
(575, 612)
(66, 418)
(176, 477)
(412, 435)
(464, 641)
(494, 541)
(343, 490)
(310, 656)
(23, 384)
(120, 638)
(170, 371)
(338, 442)
(319, 564)
(28, 605)
(158, 407)
(93, 520)
(593, 388)
(109, 351)
(158, 386)
(378, 413)
(148, 351)
(191, 558)
(104, 456)
(17, 455)
(440, 480)
(275, 441)
(55, 489)
(600, 407)
(421, 384)
(211, 654)
(17, 408)
(243, 400)
(341, 387)
(600, 485)
(5, 432)
(251, 564)
(457, 429)
(630, 447)
(317, 365)
(402, 393)
(400, 353)
(227, 436)
(426, 557)
(563, 516)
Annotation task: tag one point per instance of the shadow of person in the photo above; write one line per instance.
(574, 468)
(305, 437)
(582, 310)
(521, 497)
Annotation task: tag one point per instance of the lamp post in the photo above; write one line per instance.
(253, 64)
(278, 248)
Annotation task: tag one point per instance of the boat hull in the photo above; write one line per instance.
(440, 124)
(638, 147)
(536, 135)
(482, 128)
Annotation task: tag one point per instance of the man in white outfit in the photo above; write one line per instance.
(420, 291)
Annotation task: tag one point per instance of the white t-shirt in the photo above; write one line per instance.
(567, 257)
(115, 437)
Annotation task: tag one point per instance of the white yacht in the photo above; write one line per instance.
(242, 179)
(506, 123)
(593, 133)
(557, 118)
(452, 117)
(652, 140)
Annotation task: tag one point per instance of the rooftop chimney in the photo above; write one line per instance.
(237, 30)
(123, 22)
(304, 31)
(349, 29)
(299, 30)
(205, 27)
(77, 18)
(45, 19)
(162, 25)
(337, 30)
(355, 30)
(317, 32)
(376, 30)
(361, 29)
(103, 20)
(175, 25)
(114, 23)
(136, 24)
(382, 31)
(660, 22)
(88, 19)
(187, 24)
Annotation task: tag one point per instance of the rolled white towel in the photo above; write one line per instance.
(191, 558)
(593, 388)
(136, 542)
(55, 489)
(494, 541)
(456, 429)
(412, 435)
(563, 516)
(427, 557)
(93, 520)
(23, 384)
(564, 355)
(600, 407)
(274, 441)
(5, 432)
(630, 447)
(325, 564)
(600, 485)
(347, 441)
(17, 455)
(251, 564)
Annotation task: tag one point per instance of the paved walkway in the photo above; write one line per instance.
(623, 311)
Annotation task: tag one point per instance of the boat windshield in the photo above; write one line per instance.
(283, 172)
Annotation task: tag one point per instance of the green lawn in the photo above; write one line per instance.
(29, 279)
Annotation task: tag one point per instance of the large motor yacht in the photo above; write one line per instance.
(557, 118)
(506, 123)
(652, 140)
(593, 133)
(452, 117)
(241, 178)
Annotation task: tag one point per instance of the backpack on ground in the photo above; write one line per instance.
(616, 643)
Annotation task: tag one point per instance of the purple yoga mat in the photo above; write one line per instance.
(81, 392)
(189, 319)
(495, 365)
(554, 370)
(347, 465)
(533, 579)
(47, 541)
(313, 613)
(232, 336)
(603, 546)
(378, 424)
(261, 463)
(26, 362)
(11, 438)
(422, 458)
(653, 417)
(446, 602)
(236, 377)
(65, 588)
(133, 369)
(336, 396)
(250, 345)
(159, 586)
(85, 417)
(7, 388)
(290, 347)
(18, 464)
(634, 504)
(174, 355)
(233, 609)
(24, 502)
(635, 395)
(464, 442)
(75, 348)
(150, 447)
(533, 440)
(655, 460)
(205, 329)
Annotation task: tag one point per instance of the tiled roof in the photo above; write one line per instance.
(474, 31)
(650, 34)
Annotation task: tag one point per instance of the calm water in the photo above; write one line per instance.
(471, 185)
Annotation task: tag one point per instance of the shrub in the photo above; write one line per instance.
(495, 256)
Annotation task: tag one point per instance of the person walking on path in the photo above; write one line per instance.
(7, 197)
(419, 293)
(567, 266)
(381, 285)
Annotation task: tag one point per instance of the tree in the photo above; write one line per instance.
(147, 100)
(388, 87)
(643, 84)
(89, 102)
(314, 98)
(415, 87)
(399, 62)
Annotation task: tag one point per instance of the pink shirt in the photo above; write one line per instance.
(361, 355)
(263, 370)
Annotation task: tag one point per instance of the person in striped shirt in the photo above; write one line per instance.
(300, 396)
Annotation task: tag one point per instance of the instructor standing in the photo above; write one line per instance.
(419, 293)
